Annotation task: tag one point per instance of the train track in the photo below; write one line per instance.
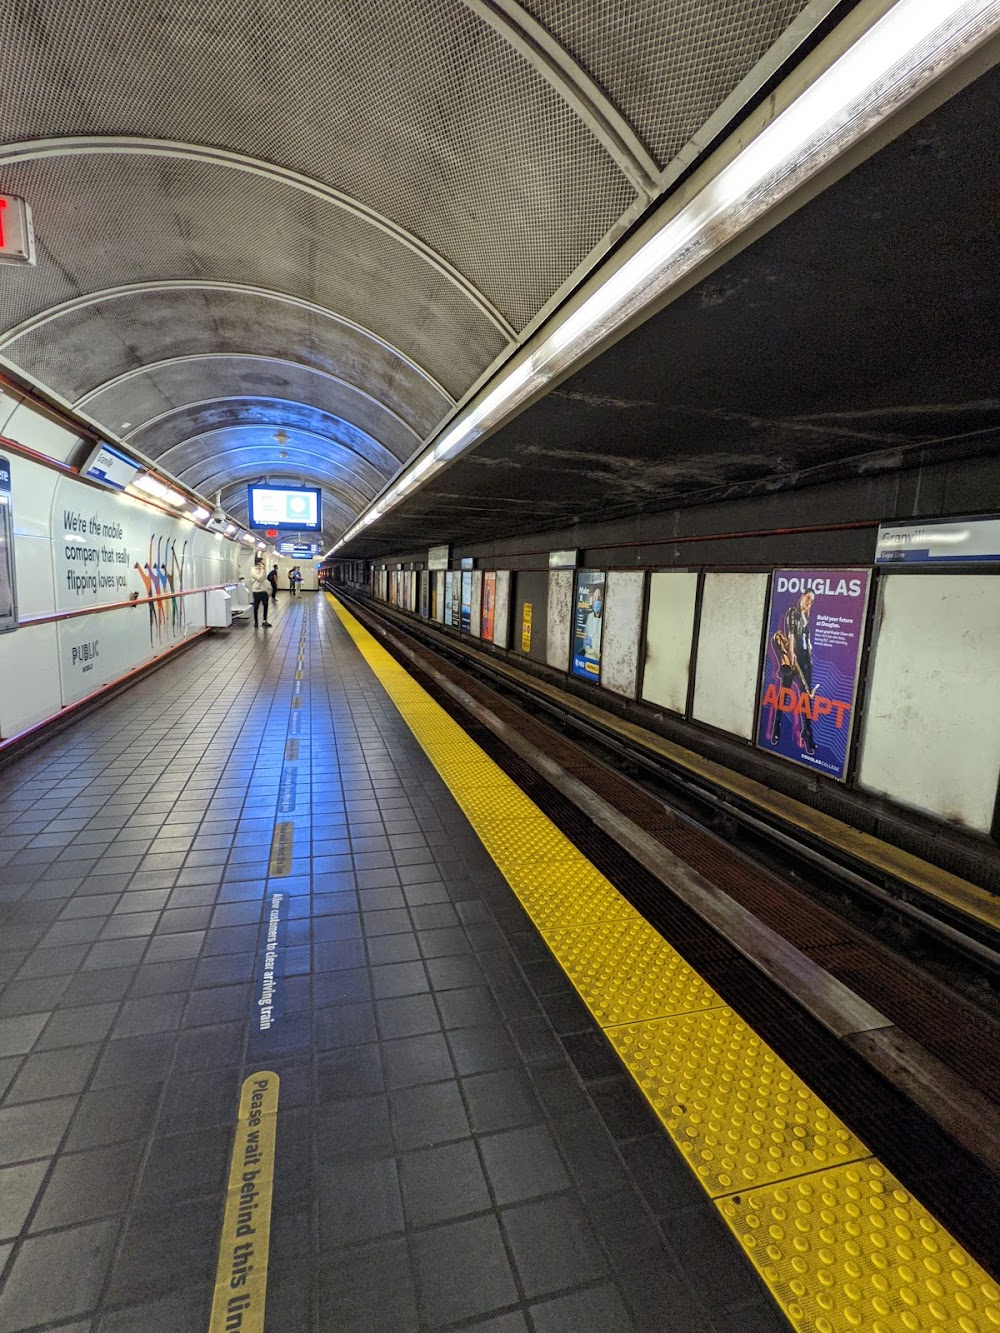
(889, 1010)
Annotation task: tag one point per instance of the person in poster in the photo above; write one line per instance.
(489, 600)
(812, 655)
(588, 624)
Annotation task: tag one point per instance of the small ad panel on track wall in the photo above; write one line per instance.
(588, 624)
(812, 656)
(111, 548)
(489, 602)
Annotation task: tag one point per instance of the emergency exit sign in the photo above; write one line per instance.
(17, 240)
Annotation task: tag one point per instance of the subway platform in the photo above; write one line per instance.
(280, 1046)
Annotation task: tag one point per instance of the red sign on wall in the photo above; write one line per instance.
(17, 240)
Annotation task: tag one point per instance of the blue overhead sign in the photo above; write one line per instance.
(965, 541)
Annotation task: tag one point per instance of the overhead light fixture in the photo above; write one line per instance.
(230, 529)
(248, 538)
(910, 46)
(201, 513)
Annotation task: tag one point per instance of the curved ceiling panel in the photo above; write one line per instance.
(85, 347)
(131, 402)
(211, 452)
(423, 112)
(183, 218)
(267, 415)
(668, 67)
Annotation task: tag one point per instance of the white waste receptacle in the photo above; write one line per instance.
(218, 611)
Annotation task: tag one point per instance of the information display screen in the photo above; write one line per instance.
(287, 508)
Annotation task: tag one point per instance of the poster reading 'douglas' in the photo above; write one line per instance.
(812, 656)
(588, 624)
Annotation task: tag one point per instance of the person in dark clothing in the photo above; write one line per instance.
(793, 649)
(272, 578)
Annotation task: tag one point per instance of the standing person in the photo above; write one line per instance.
(272, 578)
(291, 580)
(259, 584)
(296, 578)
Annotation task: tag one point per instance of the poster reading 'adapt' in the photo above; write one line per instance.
(812, 656)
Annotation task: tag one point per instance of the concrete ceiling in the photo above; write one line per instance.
(859, 331)
(353, 212)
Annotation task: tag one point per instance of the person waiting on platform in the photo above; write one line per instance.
(272, 578)
(294, 579)
(259, 584)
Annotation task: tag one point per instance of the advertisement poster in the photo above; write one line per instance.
(466, 623)
(111, 549)
(449, 587)
(425, 580)
(526, 628)
(588, 624)
(489, 602)
(8, 585)
(455, 610)
(812, 655)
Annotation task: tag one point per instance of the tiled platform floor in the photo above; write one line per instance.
(457, 1144)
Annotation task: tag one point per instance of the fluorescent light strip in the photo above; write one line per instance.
(912, 44)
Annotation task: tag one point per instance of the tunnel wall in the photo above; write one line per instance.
(919, 717)
(77, 547)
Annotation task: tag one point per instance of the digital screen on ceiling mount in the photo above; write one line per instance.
(288, 508)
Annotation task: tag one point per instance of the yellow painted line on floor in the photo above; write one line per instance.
(241, 1275)
(282, 842)
(840, 1244)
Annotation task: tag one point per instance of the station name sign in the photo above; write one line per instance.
(952, 541)
(17, 237)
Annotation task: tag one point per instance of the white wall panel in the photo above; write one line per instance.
(732, 622)
(29, 668)
(501, 615)
(475, 624)
(932, 717)
(30, 427)
(669, 630)
(559, 617)
(622, 625)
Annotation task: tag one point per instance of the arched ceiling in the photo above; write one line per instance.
(335, 220)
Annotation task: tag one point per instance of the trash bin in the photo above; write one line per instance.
(218, 609)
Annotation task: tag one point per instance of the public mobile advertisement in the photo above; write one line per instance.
(812, 658)
(588, 623)
(466, 622)
(455, 614)
(489, 602)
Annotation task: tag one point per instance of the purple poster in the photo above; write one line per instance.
(812, 654)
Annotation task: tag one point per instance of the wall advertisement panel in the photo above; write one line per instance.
(812, 656)
(449, 591)
(466, 607)
(111, 548)
(8, 579)
(588, 624)
(673, 595)
(477, 602)
(622, 629)
(501, 610)
(455, 608)
(489, 602)
(425, 580)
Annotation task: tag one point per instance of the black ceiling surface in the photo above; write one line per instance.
(863, 323)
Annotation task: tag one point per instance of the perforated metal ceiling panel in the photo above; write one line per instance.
(293, 390)
(152, 218)
(667, 64)
(387, 193)
(83, 348)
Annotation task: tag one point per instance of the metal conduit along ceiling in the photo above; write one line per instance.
(355, 212)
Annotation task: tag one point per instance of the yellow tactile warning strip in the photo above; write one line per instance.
(241, 1275)
(839, 1242)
